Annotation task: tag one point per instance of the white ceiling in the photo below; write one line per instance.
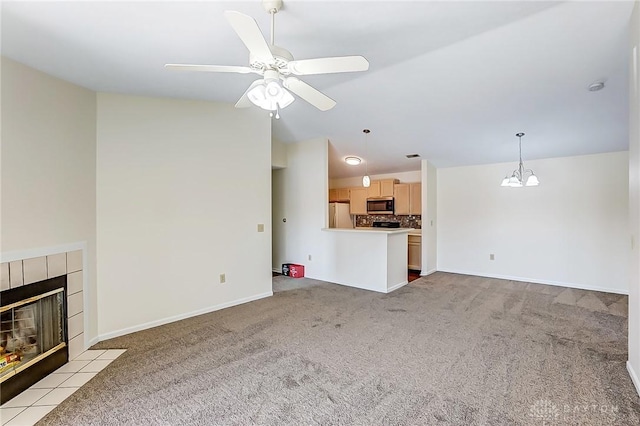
(451, 81)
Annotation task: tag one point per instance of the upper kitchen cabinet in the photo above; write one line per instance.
(408, 198)
(358, 201)
(415, 198)
(386, 187)
(343, 194)
(401, 196)
(339, 195)
(374, 189)
(382, 188)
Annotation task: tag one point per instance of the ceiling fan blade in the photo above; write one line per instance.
(247, 29)
(309, 94)
(329, 65)
(244, 101)
(209, 68)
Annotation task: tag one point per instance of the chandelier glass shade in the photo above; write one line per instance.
(520, 177)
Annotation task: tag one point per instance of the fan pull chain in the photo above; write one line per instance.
(277, 112)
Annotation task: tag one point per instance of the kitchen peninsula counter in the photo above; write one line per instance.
(369, 258)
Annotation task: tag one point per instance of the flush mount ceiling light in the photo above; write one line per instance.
(598, 85)
(518, 176)
(366, 180)
(353, 161)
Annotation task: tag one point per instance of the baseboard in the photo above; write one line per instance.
(536, 281)
(634, 377)
(156, 323)
(397, 286)
(93, 341)
(429, 272)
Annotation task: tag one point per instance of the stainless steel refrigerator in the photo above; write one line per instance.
(339, 216)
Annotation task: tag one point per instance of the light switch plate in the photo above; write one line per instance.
(260, 227)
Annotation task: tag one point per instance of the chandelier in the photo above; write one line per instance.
(517, 178)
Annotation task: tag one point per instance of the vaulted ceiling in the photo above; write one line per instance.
(450, 81)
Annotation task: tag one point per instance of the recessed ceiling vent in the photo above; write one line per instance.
(413, 155)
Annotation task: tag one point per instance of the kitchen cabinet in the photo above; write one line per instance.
(374, 189)
(401, 196)
(343, 194)
(338, 195)
(386, 187)
(415, 252)
(358, 200)
(408, 198)
(415, 198)
(382, 188)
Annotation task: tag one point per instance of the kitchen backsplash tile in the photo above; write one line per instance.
(413, 221)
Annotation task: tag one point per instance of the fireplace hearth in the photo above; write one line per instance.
(33, 334)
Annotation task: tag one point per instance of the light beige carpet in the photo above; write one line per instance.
(447, 350)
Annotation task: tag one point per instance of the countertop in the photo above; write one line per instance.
(387, 231)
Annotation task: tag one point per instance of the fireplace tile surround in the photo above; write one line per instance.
(17, 273)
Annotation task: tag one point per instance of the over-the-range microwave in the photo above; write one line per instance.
(380, 205)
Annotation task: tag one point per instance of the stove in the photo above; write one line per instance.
(386, 224)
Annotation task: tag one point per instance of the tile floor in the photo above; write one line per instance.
(34, 403)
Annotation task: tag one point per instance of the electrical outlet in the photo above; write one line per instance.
(261, 227)
(223, 278)
(492, 257)
(309, 257)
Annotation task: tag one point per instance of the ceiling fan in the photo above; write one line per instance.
(276, 65)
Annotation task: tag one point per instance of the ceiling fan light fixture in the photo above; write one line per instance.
(270, 96)
(257, 95)
(286, 99)
(273, 91)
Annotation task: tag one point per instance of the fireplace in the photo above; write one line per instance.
(33, 334)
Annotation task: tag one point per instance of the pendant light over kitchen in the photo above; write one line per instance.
(366, 180)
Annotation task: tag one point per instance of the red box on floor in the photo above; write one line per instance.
(296, 271)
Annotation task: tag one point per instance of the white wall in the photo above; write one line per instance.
(301, 196)
(181, 186)
(403, 177)
(278, 238)
(278, 154)
(571, 230)
(634, 199)
(48, 166)
(429, 218)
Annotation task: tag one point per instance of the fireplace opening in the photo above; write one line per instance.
(33, 334)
